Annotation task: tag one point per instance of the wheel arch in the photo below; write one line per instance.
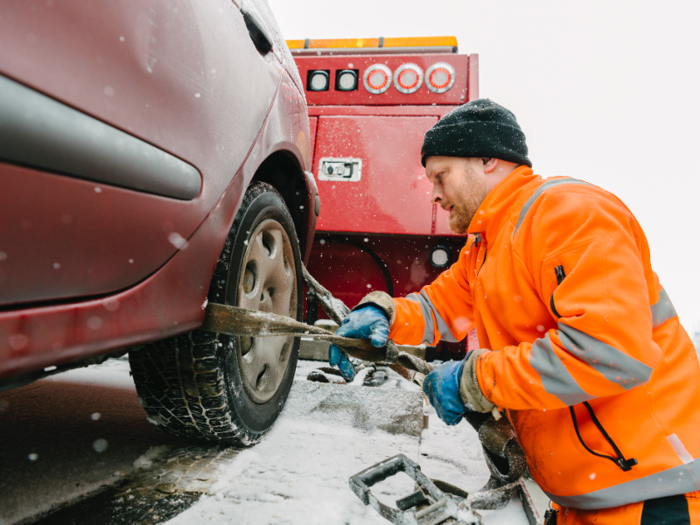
(282, 171)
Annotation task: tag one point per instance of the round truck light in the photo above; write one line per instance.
(346, 80)
(440, 77)
(377, 78)
(318, 80)
(440, 257)
(408, 78)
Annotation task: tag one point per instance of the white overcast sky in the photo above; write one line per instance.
(605, 91)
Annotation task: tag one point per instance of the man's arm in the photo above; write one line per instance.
(588, 259)
(441, 310)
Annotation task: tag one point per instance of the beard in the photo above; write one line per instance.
(471, 193)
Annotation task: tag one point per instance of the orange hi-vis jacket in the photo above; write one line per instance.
(590, 359)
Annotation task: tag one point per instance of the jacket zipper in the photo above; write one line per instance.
(620, 461)
(559, 271)
(477, 242)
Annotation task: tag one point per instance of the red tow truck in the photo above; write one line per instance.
(370, 103)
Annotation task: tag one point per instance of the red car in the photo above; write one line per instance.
(153, 156)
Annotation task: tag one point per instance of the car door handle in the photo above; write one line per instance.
(257, 31)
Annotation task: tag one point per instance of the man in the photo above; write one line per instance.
(580, 343)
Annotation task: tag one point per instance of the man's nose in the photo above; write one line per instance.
(436, 195)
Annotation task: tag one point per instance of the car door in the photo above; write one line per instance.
(158, 95)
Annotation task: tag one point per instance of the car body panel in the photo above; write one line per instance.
(248, 109)
(42, 133)
(65, 237)
(163, 72)
(168, 302)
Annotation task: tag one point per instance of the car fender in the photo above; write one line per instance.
(287, 132)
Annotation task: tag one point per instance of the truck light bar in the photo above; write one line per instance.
(408, 78)
(318, 80)
(381, 45)
(346, 80)
(440, 77)
(377, 78)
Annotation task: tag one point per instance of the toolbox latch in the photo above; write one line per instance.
(340, 169)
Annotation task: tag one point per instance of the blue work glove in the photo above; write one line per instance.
(442, 388)
(366, 322)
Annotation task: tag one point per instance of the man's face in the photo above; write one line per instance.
(459, 186)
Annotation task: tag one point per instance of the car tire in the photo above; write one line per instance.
(224, 388)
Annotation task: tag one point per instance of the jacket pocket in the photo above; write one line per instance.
(622, 462)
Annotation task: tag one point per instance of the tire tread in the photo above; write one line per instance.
(181, 381)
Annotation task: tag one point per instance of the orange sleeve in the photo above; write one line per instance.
(588, 258)
(441, 310)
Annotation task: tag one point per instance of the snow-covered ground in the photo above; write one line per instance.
(299, 474)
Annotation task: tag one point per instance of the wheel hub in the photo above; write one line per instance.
(267, 284)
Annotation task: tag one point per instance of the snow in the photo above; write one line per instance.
(113, 372)
(146, 460)
(328, 432)
(299, 474)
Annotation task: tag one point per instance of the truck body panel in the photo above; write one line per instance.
(378, 229)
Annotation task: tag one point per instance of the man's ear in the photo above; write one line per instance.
(489, 165)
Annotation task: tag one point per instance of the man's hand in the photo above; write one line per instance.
(367, 321)
(442, 388)
(453, 389)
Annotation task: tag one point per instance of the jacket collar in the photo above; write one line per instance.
(496, 207)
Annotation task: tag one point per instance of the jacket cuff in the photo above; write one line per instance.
(469, 389)
(382, 300)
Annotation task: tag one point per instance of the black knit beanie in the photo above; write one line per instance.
(480, 128)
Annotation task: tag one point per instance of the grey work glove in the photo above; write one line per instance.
(469, 389)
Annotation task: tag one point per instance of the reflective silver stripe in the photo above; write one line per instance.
(680, 449)
(427, 318)
(427, 307)
(616, 366)
(676, 480)
(555, 378)
(443, 329)
(663, 310)
(538, 192)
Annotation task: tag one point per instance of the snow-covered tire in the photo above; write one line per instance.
(223, 388)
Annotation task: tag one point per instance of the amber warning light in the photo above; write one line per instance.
(421, 44)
